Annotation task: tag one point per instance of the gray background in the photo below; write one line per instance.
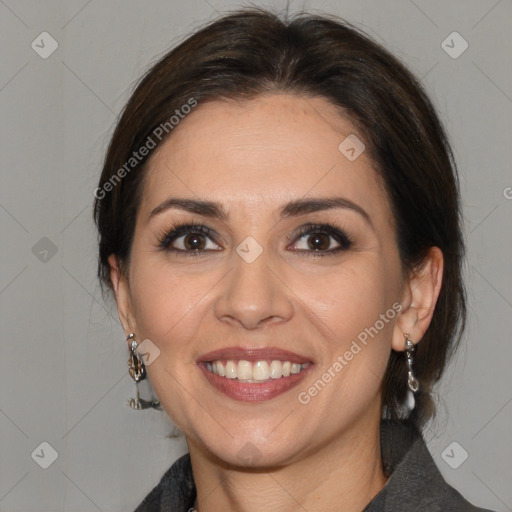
(63, 373)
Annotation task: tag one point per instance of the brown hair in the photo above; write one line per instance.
(252, 51)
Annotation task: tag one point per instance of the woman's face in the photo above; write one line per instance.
(251, 286)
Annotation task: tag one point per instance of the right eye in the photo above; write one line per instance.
(188, 239)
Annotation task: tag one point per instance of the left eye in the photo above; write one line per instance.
(316, 242)
(322, 238)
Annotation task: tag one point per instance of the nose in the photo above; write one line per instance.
(254, 294)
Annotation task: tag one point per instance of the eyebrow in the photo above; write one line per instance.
(292, 209)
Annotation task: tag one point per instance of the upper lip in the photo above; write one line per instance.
(253, 355)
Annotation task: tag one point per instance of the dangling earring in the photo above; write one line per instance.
(137, 372)
(412, 381)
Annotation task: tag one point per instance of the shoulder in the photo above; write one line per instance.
(435, 492)
(414, 480)
(175, 491)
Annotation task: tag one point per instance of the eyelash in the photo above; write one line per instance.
(177, 231)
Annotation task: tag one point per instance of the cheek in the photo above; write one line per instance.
(352, 298)
(355, 310)
(167, 308)
(160, 296)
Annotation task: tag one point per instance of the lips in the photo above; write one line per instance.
(253, 354)
(253, 374)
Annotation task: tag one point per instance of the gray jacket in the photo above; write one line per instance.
(414, 484)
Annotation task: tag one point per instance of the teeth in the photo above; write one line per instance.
(244, 370)
(261, 370)
(295, 368)
(276, 369)
(230, 370)
(220, 369)
(258, 371)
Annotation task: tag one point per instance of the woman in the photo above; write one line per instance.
(279, 221)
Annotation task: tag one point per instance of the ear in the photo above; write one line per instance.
(421, 291)
(122, 292)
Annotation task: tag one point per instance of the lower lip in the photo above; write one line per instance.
(254, 392)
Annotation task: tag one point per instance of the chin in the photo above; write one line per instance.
(256, 448)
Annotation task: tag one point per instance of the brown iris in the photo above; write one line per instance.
(318, 241)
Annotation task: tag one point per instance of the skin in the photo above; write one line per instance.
(253, 157)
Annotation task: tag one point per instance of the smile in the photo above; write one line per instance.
(254, 374)
(259, 371)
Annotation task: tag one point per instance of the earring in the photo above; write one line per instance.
(137, 372)
(412, 381)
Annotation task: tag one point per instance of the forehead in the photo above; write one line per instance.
(262, 151)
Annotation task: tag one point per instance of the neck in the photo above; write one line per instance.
(344, 475)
